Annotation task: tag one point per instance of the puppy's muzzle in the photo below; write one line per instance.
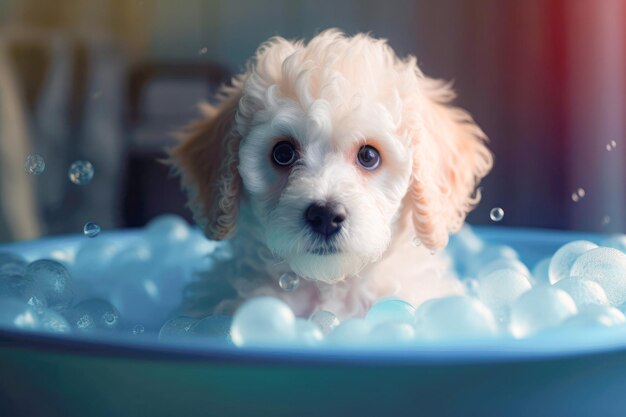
(325, 218)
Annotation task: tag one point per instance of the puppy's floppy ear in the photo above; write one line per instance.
(206, 159)
(449, 159)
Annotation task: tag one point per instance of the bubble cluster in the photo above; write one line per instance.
(34, 164)
(81, 172)
(134, 288)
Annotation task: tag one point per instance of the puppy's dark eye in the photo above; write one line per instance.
(368, 157)
(284, 154)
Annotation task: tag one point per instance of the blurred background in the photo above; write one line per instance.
(109, 80)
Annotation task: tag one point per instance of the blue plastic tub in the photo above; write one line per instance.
(66, 376)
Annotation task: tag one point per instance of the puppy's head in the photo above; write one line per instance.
(330, 143)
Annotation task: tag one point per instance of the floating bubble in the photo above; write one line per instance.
(583, 291)
(393, 310)
(325, 320)
(456, 317)
(138, 329)
(416, 241)
(539, 309)
(564, 258)
(91, 229)
(499, 289)
(53, 281)
(289, 281)
(606, 266)
(203, 51)
(496, 214)
(263, 321)
(18, 315)
(606, 220)
(81, 172)
(176, 328)
(34, 164)
(611, 145)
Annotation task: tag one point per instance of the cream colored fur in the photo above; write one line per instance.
(331, 96)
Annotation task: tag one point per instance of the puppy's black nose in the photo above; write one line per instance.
(325, 218)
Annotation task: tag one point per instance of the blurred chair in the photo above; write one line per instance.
(162, 98)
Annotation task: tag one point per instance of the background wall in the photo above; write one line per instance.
(544, 78)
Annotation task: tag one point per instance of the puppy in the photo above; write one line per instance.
(338, 162)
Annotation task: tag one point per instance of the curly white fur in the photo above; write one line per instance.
(331, 96)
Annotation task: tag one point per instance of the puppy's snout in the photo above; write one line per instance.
(325, 218)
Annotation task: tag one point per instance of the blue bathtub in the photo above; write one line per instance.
(43, 375)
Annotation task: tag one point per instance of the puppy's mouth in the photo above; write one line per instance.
(324, 250)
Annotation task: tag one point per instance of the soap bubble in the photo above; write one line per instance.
(307, 333)
(583, 291)
(176, 328)
(53, 322)
(94, 314)
(496, 214)
(81, 172)
(167, 229)
(606, 266)
(34, 164)
(17, 314)
(391, 333)
(11, 264)
(202, 51)
(91, 229)
(52, 279)
(349, 333)
(504, 263)
(263, 321)
(564, 258)
(499, 289)
(289, 281)
(416, 241)
(488, 254)
(139, 300)
(21, 288)
(455, 317)
(326, 321)
(539, 309)
(390, 310)
(616, 242)
(94, 259)
(594, 316)
(138, 329)
(214, 327)
(540, 271)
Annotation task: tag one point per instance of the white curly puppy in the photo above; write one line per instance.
(328, 159)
